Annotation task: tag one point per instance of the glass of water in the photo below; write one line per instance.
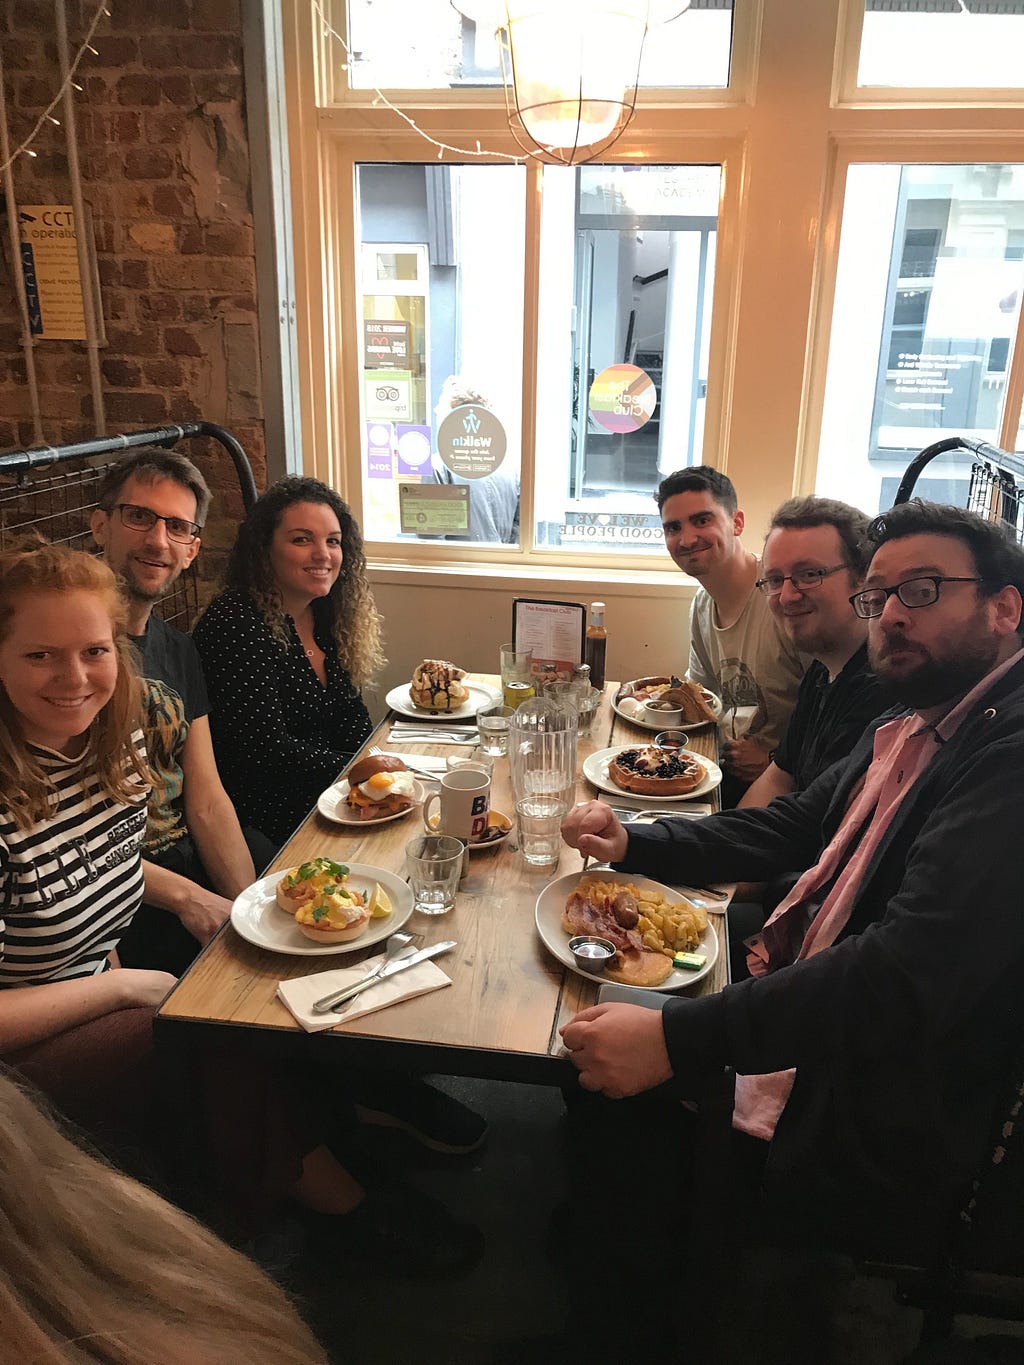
(493, 727)
(539, 818)
(434, 863)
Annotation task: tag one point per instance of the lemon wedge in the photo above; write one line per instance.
(380, 905)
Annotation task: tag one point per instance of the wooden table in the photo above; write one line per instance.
(509, 996)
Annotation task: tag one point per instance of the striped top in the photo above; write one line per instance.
(70, 884)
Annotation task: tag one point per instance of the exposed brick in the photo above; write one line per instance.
(116, 50)
(119, 125)
(50, 166)
(140, 408)
(198, 272)
(135, 274)
(145, 15)
(8, 435)
(148, 163)
(163, 374)
(116, 307)
(121, 373)
(109, 270)
(159, 237)
(144, 340)
(58, 402)
(159, 307)
(32, 91)
(173, 201)
(177, 90)
(196, 307)
(228, 239)
(191, 239)
(138, 90)
(164, 129)
(72, 370)
(29, 14)
(98, 92)
(193, 51)
(180, 341)
(243, 303)
(213, 85)
(216, 16)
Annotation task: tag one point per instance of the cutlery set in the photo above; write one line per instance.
(401, 953)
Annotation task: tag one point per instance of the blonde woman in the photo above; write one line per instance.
(285, 651)
(94, 1267)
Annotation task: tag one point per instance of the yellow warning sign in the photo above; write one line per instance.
(49, 261)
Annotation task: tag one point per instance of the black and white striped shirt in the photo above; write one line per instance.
(70, 884)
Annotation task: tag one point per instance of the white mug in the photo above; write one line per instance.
(464, 804)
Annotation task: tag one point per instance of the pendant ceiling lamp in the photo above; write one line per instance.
(570, 68)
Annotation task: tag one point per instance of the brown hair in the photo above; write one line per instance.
(849, 523)
(29, 793)
(355, 621)
(698, 478)
(95, 1267)
(148, 464)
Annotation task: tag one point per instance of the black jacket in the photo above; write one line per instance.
(902, 1031)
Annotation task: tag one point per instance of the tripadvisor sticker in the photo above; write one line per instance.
(622, 398)
(471, 441)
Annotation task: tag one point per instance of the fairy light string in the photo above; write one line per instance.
(25, 148)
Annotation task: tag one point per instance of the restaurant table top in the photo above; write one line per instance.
(509, 996)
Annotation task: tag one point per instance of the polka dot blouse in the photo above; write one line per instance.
(280, 736)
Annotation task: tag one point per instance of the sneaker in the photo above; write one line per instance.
(431, 1117)
(396, 1230)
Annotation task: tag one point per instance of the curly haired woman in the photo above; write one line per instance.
(285, 650)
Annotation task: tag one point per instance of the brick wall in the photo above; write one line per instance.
(165, 164)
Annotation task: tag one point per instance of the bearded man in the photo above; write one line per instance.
(872, 1041)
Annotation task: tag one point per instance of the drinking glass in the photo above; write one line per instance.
(542, 750)
(539, 819)
(477, 758)
(516, 675)
(493, 727)
(434, 863)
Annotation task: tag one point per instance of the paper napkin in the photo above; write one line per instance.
(299, 994)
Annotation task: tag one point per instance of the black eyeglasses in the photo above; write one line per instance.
(143, 519)
(912, 592)
(802, 579)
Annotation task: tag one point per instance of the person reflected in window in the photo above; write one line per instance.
(494, 499)
(285, 650)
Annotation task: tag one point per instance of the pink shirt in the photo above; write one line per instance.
(903, 749)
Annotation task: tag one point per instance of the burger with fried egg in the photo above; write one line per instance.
(380, 785)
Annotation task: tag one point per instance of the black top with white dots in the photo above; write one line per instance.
(280, 736)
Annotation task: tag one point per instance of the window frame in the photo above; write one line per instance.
(778, 236)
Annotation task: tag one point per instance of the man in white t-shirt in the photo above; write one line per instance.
(736, 647)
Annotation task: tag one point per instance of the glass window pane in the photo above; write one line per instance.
(430, 45)
(942, 43)
(627, 275)
(928, 292)
(441, 351)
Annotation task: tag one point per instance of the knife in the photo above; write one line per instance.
(328, 1002)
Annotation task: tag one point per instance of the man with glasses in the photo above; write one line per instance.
(872, 1045)
(736, 649)
(815, 554)
(152, 505)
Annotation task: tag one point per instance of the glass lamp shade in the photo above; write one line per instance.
(572, 72)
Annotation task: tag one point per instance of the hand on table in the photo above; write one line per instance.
(744, 758)
(596, 831)
(618, 1049)
(203, 914)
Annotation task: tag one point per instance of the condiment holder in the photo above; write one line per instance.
(591, 954)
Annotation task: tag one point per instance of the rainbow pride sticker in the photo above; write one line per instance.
(622, 398)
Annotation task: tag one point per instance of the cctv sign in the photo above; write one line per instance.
(49, 262)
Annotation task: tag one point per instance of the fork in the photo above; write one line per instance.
(397, 946)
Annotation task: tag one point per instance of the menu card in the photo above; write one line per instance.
(555, 631)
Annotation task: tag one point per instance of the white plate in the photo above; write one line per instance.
(333, 805)
(548, 915)
(479, 699)
(646, 723)
(258, 918)
(496, 817)
(595, 770)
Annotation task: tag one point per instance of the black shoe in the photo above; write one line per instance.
(398, 1231)
(431, 1117)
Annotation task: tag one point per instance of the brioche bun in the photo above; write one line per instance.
(364, 768)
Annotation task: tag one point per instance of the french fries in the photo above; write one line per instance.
(665, 926)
